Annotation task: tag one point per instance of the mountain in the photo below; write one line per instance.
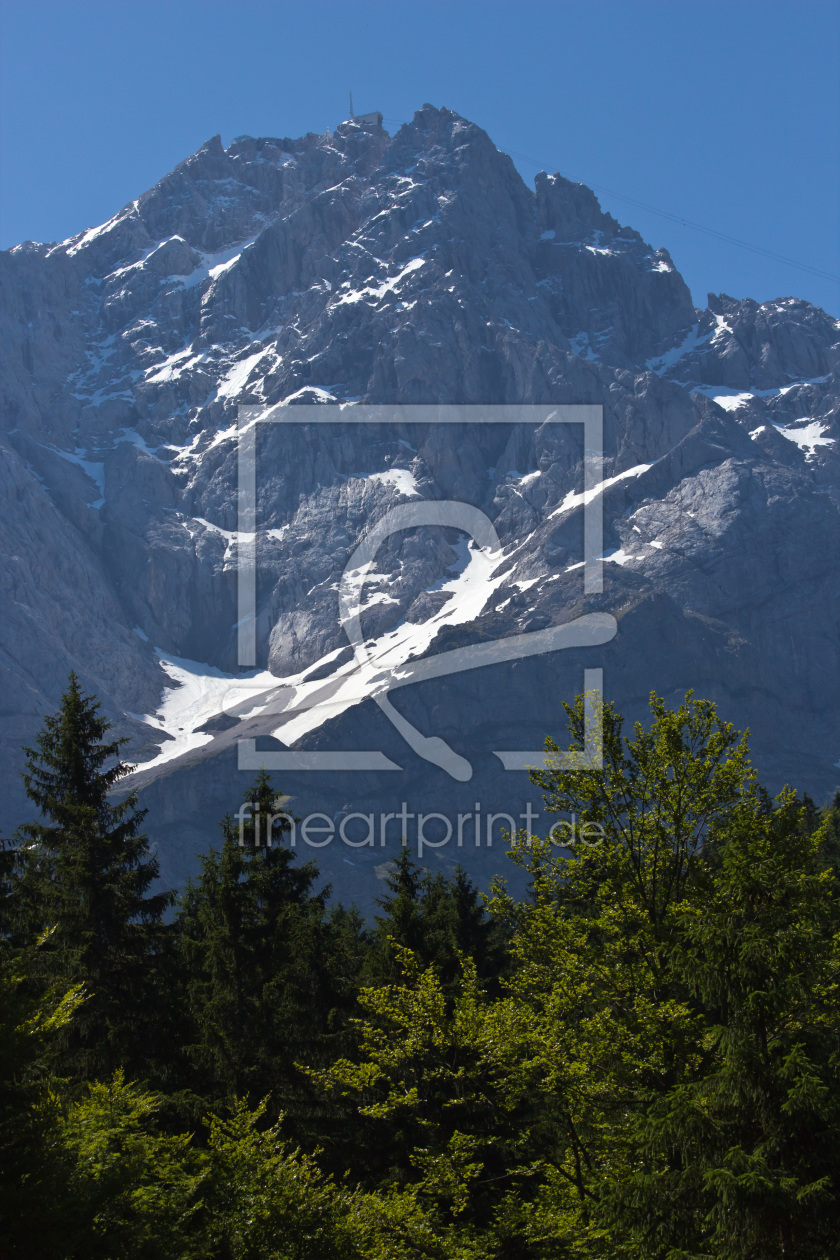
(360, 268)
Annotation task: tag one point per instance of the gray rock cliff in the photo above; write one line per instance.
(356, 267)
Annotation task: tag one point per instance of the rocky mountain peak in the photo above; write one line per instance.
(572, 212)
(356, 266)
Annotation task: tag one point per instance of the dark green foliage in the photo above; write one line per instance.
(439, 920)
(252, 936)
(638, 1061)
(759, 959)
(269, 976)
(829, 819)
(29, 1029)
(83, 875)
(113, 1185)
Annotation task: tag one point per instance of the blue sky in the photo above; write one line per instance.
(725, 114)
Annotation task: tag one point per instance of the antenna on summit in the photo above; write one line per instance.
(373, 119)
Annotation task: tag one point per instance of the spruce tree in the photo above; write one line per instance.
(830, 848)
(438, 919)
(761, 1130)
(83, 875)
(252, 938)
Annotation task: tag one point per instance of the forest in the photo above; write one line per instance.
(639, 1059)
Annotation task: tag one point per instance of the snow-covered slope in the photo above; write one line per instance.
(418, 268)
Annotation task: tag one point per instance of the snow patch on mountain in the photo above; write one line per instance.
(200, 692)
(808, 436)
(575, 499)
(402, 478)
(387, 286)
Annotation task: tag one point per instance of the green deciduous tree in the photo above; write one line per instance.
(116, 1185)
(681, 977)
(443, 1096)
(30, 1025)
(658, 1079)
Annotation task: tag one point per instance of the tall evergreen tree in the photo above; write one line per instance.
(760, 1131)
(83, 874)
(438, 919)
(830, 847)
(252, 938)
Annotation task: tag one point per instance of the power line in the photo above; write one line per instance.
(697, 227)
(676, 218)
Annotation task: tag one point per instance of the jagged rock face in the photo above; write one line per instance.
(419, 268)
(744, 346)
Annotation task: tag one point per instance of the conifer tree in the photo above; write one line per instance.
(251, 933)
(760, 1132)
(83, 874)
(438, 919)
(402, 917)
(830, 848)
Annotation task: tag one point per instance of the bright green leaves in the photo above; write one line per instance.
(637, 1061)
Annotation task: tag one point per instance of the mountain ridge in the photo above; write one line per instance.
(418, 268)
